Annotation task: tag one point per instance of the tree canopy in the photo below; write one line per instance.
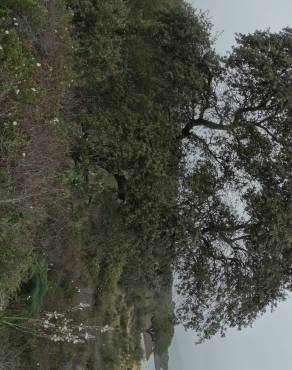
(236, 202)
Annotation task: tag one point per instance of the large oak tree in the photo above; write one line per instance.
(236, 200)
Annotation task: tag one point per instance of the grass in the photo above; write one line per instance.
(35, 80)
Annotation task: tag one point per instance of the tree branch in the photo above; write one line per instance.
(207, 149)
(186, 131)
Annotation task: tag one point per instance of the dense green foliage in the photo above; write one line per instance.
(129, 147)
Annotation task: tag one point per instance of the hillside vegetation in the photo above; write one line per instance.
(122, 135)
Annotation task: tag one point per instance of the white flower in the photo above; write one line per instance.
(24, 155)
(64, 329)
(77, 340)
(56, 338)
(81, 305)
(1, 47)
(46, 324)
(33, 89)
(105, 329)
(16, 24)
(88, 336)
(15, 19)
(14, 123)
(38, 65)
(57, 315)
(17, 91)
(6, 32)
(84, 305)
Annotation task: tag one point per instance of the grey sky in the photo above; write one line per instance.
(231, 16)
(267, 346)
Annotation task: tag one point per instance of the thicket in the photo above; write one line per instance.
(89, 150)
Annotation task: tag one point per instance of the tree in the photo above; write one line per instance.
(232, 264)
(187, 134)
(253, 106)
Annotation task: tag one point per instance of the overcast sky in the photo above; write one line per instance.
(244, 16)
(268, 345)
